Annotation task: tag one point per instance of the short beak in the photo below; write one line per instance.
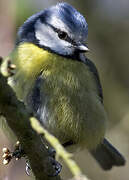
(82, 48)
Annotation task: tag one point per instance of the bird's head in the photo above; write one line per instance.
(60, 29)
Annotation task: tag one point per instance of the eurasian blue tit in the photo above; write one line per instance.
(59, 84)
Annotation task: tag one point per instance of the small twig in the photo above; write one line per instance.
(60, 150)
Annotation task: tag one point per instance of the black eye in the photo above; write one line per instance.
(62, 35)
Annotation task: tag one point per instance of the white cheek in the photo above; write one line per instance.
(44, 33)
(49, 38)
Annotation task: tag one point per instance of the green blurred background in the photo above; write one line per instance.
(108, 41)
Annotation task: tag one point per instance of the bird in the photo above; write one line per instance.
(59, 84)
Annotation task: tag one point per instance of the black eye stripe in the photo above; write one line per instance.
(68, 39)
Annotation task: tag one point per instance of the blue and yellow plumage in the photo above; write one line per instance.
(65, 85)
(59, 84)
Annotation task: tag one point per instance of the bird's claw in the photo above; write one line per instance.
(18, 153)
(51, 151)
(28, 168)
(56, 167)
(50, 172)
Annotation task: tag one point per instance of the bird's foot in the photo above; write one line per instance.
(51, 151)
(19, 153)
(55, 164)
(56, 167)
(50, 172)
(28, 168)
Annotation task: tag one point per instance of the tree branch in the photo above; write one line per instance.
(21, 123)
(18, 120)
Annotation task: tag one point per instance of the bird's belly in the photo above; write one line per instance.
(78, 116)
(69, 105)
